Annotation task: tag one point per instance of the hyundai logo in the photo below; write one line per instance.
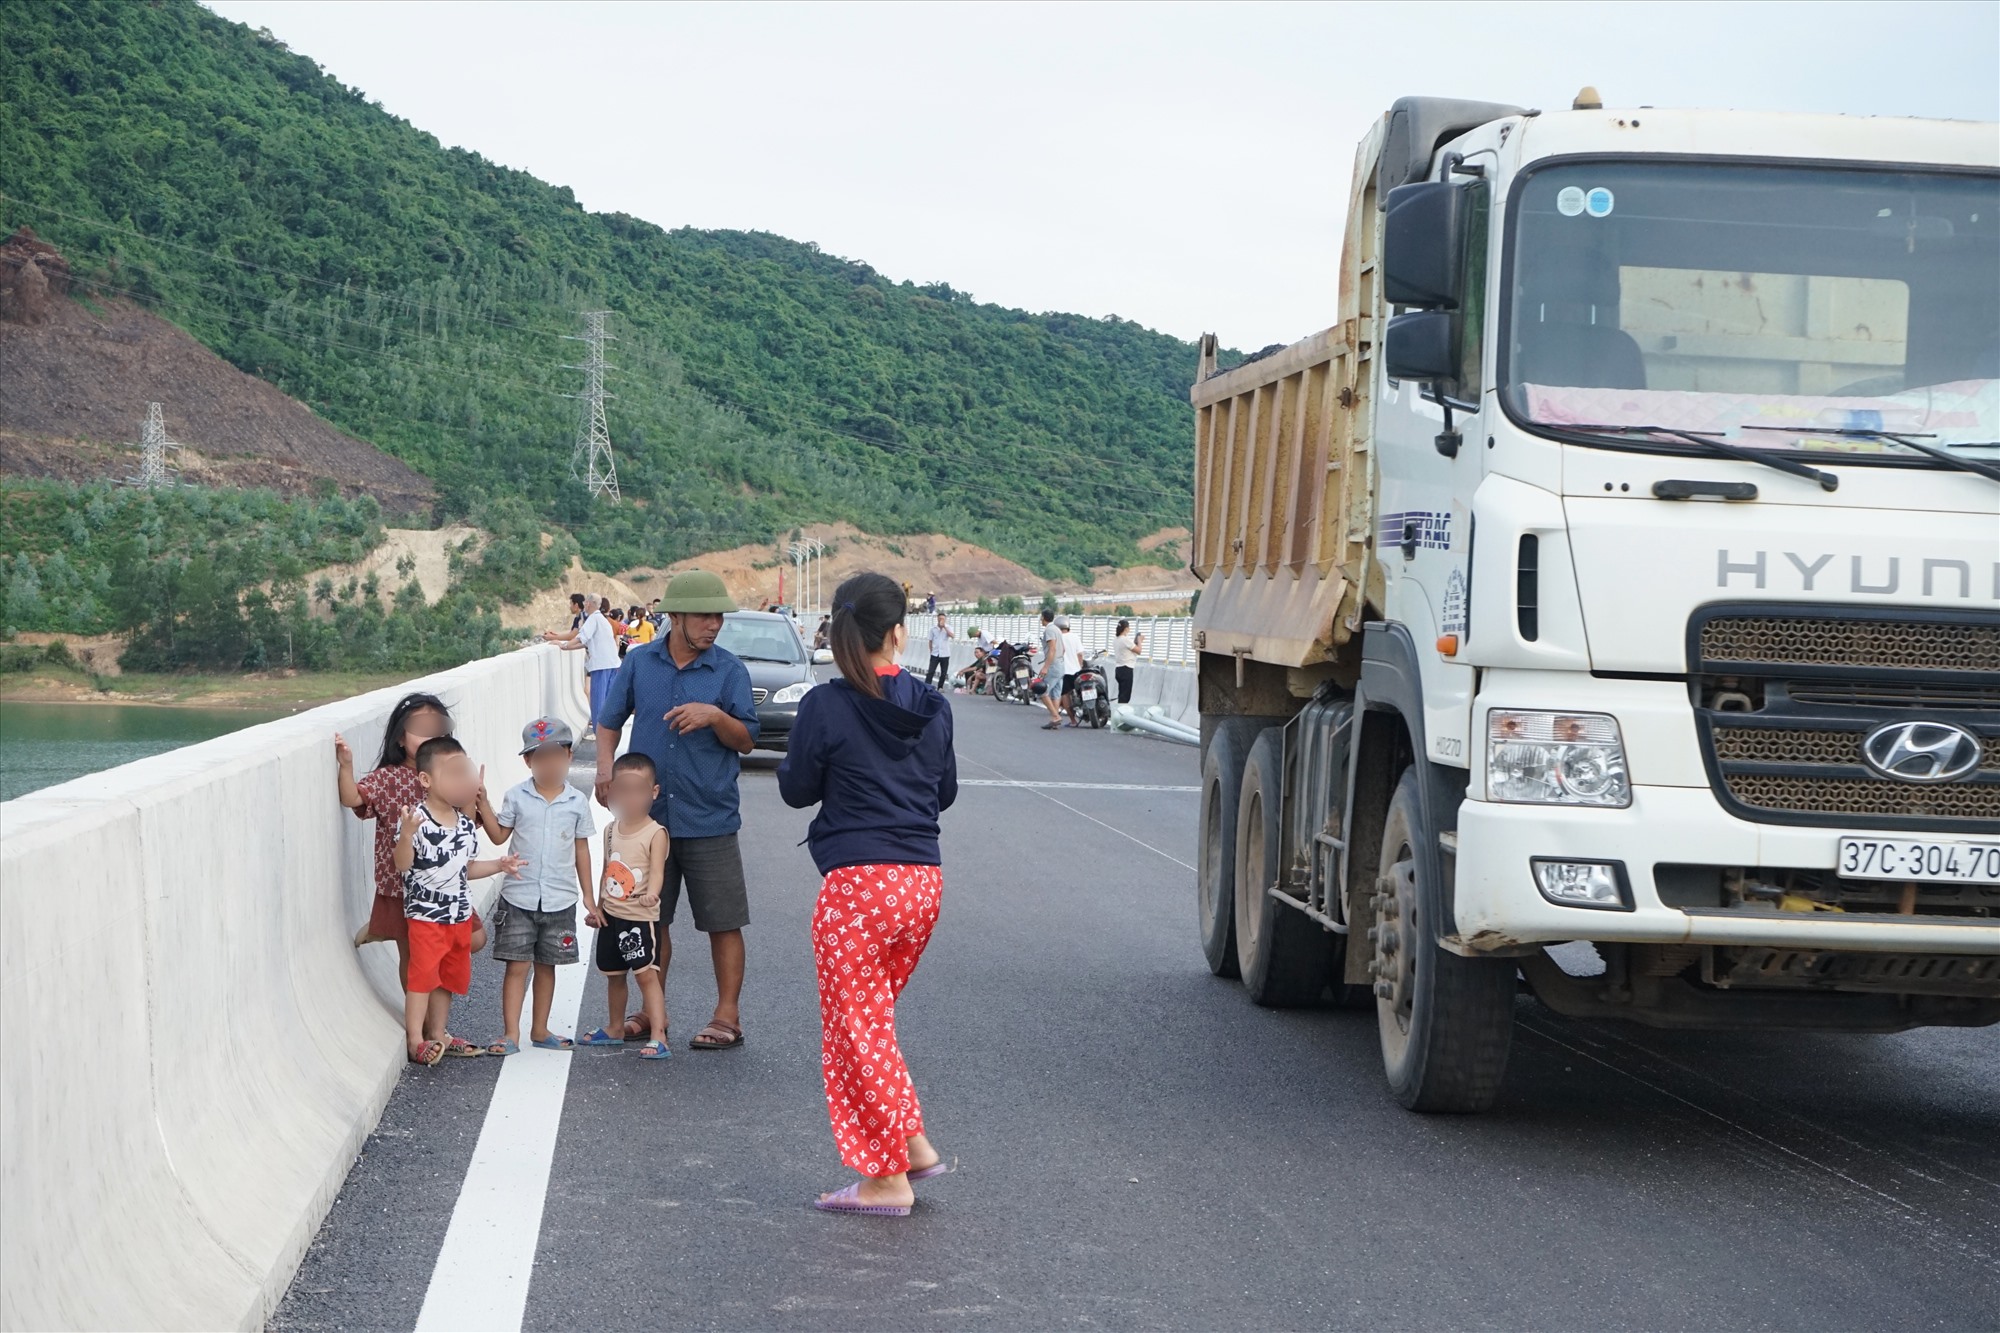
(1921, 751)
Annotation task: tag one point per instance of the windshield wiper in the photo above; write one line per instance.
(1907, 441)
(1711, 441)
(781, 661)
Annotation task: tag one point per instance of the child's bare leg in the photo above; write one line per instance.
(614, 994)
(403, 964)
(416, 1010)
(545, 996)
(653, 999)
(440, 1014)
(513, 989)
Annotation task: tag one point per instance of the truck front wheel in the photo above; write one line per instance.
(1446, 1022)
(1286, 957)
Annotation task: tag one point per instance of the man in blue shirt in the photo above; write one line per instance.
(691, 714)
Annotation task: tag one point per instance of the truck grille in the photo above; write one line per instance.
(1818, 685)
(1860, 645)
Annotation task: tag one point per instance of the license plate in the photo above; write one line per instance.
(1089, 693)
(1927, 860)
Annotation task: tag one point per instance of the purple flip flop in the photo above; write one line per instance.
(938, 1168)
(849, 1201)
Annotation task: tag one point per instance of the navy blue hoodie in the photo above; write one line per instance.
(880, 770)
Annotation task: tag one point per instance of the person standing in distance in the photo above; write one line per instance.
(939, 671)
(1050, 666)
(598, 643)
(689, 704)
(873, 750)
(1126, 649)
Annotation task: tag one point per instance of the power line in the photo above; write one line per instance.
(771, 420)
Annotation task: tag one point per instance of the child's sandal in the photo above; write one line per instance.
(654, 1050)
(428, 1054)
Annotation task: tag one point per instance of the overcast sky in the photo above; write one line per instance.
(1185, 166)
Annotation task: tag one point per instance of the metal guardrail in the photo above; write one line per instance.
(1169, 640)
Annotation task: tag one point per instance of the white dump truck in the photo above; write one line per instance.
(1622, 569)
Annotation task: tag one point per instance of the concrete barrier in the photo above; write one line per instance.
(192, 1050)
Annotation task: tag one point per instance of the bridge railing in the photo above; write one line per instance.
(1169, 640)
(193, 1051)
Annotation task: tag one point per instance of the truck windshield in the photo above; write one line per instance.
(1841, 307)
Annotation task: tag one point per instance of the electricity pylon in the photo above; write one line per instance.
(591, 460)
(153, 445)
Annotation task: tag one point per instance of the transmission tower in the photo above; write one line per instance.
(592, 462)
(153, 446)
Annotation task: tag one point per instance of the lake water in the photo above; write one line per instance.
(43, 744)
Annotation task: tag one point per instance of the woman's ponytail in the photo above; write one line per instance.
(866, 607)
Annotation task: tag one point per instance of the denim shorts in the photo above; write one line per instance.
(521, 935)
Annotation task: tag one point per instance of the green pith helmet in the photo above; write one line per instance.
(696, 590)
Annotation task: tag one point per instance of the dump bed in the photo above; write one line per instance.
(1284, 506)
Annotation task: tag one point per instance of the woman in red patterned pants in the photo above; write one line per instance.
(873, 750)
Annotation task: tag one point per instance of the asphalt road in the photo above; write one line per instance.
(1140, 1147)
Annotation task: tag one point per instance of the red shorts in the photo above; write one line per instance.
(440, 957)
(387, 922)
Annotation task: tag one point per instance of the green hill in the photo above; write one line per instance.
(418, 296)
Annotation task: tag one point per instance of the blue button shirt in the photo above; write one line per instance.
(545, 834)
(697, 771)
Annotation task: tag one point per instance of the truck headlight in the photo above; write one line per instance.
(1555, 759)
(791, 694)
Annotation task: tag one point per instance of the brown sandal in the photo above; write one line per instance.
(704, 1041)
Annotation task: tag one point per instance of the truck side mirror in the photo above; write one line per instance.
(1423, 346)
(1423, 245)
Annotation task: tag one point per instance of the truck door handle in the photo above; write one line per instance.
(1409, 539)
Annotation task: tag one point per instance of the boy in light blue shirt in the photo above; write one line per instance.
(534, 923)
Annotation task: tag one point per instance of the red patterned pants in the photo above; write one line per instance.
(869, 930)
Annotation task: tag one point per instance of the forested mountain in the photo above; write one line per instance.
(418, 296)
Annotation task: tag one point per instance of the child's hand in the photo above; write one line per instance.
(406, 827)
(511, 864)
(649, 900)
(342, 755)
(593, 918)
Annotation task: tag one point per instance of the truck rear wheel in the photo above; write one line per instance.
(1285, 957)
(1215, 881)
(1446, 1022)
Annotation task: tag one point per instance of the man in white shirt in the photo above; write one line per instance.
(940, 667)
(599, 645)
(1072, 667)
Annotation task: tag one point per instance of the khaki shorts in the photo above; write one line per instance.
(712, 870)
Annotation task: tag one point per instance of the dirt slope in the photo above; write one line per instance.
(929, 562)
(73, 392)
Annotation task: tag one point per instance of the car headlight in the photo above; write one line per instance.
(791, 694)
(1555, 759)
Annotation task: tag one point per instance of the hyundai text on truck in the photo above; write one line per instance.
(1608, 604)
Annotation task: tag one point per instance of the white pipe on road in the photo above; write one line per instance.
(1124, 717)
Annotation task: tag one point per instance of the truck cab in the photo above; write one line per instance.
(1623, 569)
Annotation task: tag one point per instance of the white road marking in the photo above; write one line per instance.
(1078, 786)
(1073, 810)
(480, 1281)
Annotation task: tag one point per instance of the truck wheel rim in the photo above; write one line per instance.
(1394, 966)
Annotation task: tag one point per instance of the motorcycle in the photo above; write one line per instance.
(1093, 692)
(1012, 677)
